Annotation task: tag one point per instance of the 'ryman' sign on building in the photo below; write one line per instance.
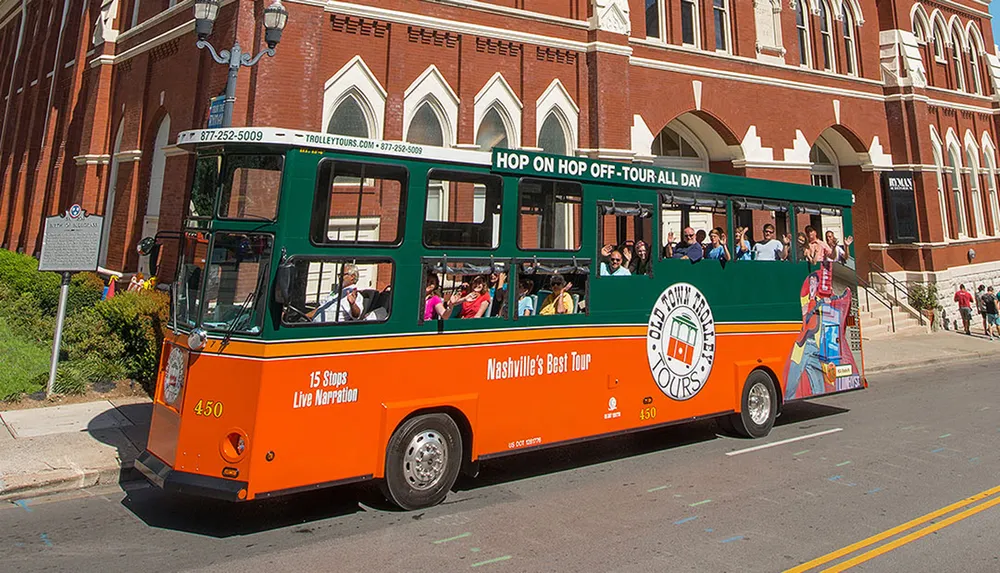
(542, 165)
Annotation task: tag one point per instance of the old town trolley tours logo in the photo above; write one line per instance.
(680, 341)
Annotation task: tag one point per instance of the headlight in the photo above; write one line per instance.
(173, 377)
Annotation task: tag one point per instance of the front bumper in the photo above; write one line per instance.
(171, 480)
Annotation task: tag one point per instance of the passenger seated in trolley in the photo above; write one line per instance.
(770, 248)
(559, 302)
(525, 304)
(348, 301)
(688, 248)
(473, 300)
(613, 268)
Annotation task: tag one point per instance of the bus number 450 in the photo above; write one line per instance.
(208, 408)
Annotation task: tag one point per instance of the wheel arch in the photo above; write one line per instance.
(774, 378)
(469, 466)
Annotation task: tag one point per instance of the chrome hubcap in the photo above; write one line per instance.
(759, 404)
(425, 459)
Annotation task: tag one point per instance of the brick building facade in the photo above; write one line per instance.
(832, 92)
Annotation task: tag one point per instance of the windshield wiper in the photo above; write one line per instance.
(251, 300)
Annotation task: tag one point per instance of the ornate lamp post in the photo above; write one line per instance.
(205, 13)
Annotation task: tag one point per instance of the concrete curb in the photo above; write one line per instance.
(62, 480)
(951, 359)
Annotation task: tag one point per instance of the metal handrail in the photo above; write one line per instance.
(869, 291)
(875, 268)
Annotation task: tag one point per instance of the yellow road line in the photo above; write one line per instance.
(894, 531)
(911, 537)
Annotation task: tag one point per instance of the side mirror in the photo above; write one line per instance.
(146, 245)
(284, 279)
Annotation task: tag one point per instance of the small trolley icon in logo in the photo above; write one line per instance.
(680, 341)
(683, 335)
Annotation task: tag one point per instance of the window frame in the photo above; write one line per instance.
(322, 184)
(517, 263)
(263, 299)
(342, 260)
(660, 20)
(851, 61)
(520, 180)
(722, 13)
(224, 180)
(427, 260)
(827, 44)
(803, 33)
(691, 7)
(693, 196)
(956, 60)
(455, 170)
(599, 243)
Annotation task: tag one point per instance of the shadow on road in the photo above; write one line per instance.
(126, 428)
(226, 519)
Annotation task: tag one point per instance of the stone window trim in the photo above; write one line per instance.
(356, 80)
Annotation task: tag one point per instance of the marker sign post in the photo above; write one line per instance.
(71, 243)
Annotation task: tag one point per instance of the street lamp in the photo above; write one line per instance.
(205, 13)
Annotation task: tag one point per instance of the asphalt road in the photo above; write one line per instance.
(669, 500)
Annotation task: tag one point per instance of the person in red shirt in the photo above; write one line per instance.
(964, 300)
(474, 303)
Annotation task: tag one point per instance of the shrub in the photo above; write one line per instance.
(85, 290)
(20, 274)
(138, 320)
(76, 376)
(924, 297)
(87, 334)
(23, 315)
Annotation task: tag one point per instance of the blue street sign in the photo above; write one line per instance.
(216, 111)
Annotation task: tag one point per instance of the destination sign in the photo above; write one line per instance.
(544, 165)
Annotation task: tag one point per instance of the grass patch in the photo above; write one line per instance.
(23, 364)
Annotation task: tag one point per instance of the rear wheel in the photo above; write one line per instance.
(422, 461)
(759, 406)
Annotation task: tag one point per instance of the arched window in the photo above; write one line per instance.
(492, 132)
(977, 82)
(824, 172)
(802, 26)
(425, 128)
(850, 46)
(826, 36)
(552, 137)
(349, 119)
(690, 32)
(971, 156)
(720, 10)
(938, 44)
(954, 169)
(939, 174)
(956, 56)
(151, 222)
(109, 202)
(920, 30)
(991, 187)
(676, 146)
(669, 143)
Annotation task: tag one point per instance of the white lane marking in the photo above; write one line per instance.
(783, 442)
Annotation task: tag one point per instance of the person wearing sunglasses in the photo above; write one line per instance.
(688, 248)
(614, 267)
(770, 248)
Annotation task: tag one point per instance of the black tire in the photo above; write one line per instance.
(422, 461)
(758, 387)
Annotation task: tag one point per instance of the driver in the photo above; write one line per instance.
(348, 302)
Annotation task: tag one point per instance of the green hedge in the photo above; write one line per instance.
(103, 341)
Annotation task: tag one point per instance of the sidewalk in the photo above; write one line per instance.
(914, 351)
(62, 448)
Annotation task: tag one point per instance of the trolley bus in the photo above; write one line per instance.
(348, 309)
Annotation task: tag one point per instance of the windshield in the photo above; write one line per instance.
(250, 187)
(192, 270)
(235, 278)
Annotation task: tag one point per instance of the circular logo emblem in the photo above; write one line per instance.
(75, 211)
(173, 377)
(680, 341)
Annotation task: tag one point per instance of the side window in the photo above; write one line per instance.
(250, 187)
(551, 287)
(762, 231)
(626, 235)
(550, 215)
(464, 289)
(463, 210)
(692, 227)
(333, 290)
(820, 234)
(358, 203)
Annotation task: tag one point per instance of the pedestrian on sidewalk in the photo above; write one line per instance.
(992, 302)
(964, 300)
(981, 307)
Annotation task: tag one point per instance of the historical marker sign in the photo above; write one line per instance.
(71, 242)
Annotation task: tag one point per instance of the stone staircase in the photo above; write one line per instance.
(877, 321)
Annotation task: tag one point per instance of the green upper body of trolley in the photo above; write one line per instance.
(738, 291)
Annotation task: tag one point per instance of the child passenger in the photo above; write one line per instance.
(525, 306)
